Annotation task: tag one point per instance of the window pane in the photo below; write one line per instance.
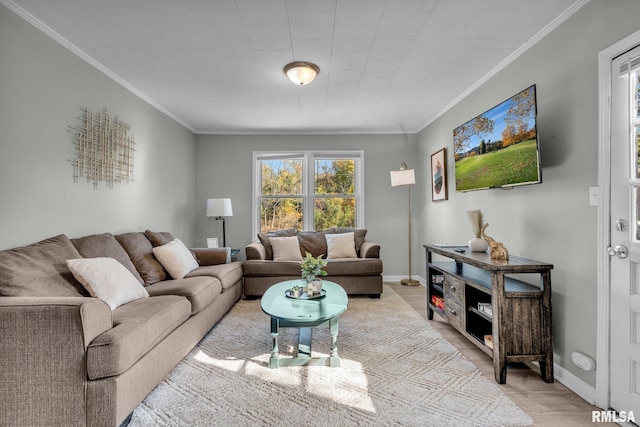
(637, 97)
(279, 213)
(334, 212)
(281, 177)
(335, 176)
(637, 151)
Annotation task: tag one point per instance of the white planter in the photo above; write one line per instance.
(478, 244)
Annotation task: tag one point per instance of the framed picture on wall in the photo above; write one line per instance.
(439, 175)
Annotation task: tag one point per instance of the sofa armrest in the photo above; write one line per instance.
(369, 250)
(255, 250)
(43, 357)
(212, 256)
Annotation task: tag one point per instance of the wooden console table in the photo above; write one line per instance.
(507, 318)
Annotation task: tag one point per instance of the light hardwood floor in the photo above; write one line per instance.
(547, 404)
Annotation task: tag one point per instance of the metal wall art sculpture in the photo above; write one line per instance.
(104, 149)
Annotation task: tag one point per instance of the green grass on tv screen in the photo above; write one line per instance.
(516, 164)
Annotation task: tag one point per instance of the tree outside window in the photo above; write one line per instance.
(310, 191)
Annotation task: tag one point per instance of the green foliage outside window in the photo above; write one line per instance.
(282, 194)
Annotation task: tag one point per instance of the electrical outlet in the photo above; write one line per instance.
(594, 196)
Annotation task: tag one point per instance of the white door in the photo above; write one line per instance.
(624, 233)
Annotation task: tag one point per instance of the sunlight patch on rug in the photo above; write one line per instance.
(395, 370)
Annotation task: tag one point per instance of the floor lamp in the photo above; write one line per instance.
(220, 208)
(406, 177)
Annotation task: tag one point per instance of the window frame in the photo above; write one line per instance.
(308, 182)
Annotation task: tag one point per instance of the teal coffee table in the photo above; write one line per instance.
(304, 313)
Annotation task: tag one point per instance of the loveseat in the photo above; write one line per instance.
(70, 359)
(353, 262)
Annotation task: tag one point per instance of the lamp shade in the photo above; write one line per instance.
(219, 207)
(402, 177)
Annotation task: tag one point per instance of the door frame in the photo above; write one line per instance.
(603, 300)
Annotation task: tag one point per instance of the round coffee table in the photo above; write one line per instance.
(303, 313)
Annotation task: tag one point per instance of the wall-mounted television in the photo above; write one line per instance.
(500, 147)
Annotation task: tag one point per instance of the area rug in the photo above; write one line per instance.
(395, 370)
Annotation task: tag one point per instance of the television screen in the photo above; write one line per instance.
(499, 148)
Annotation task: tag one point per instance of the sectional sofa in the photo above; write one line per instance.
(70, 359)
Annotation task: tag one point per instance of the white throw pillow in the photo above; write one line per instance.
(341, 245)
(286, 248)
(176, 258)
(107, 280)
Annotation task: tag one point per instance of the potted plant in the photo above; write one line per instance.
(312, 268)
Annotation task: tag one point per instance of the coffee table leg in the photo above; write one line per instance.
(304, 343)
(334, 359)
(275, 352)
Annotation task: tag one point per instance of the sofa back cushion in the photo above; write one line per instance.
(40, 269)
(140, 252)
(264, 238)
(105, 245)
(158, 238)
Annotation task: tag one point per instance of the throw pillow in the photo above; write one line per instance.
(286, 248)
(264, 238)
(341, 245)
(107, 280)
(176, 258)
(105, 245)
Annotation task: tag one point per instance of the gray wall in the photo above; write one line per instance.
(42, 87)
(224, 169)
(551, 222)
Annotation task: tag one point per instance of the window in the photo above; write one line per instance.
(308, 190)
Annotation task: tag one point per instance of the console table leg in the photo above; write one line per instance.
(275, 351)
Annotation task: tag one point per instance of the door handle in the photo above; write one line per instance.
(619, 251)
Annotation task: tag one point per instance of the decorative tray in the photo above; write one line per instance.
(289, 294)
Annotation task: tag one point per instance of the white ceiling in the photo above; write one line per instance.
(386, 66)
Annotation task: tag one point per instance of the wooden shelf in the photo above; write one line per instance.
(521, 323)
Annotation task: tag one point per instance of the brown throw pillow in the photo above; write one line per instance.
(140, 251)
(313, 242)
(264, 238)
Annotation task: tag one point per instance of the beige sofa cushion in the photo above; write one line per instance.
(341, 245)
(286, 248)
(105, 245)
(175, 258)
(264, 238)
(138, 327)
(40, 270)
(107, 279)
(359, 235)
(140, 251)
(227, 274)
(200, 291)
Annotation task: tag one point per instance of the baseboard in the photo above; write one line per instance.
(397, 279)
(575, 384)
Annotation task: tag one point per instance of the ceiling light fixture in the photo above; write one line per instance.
(301, 72)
